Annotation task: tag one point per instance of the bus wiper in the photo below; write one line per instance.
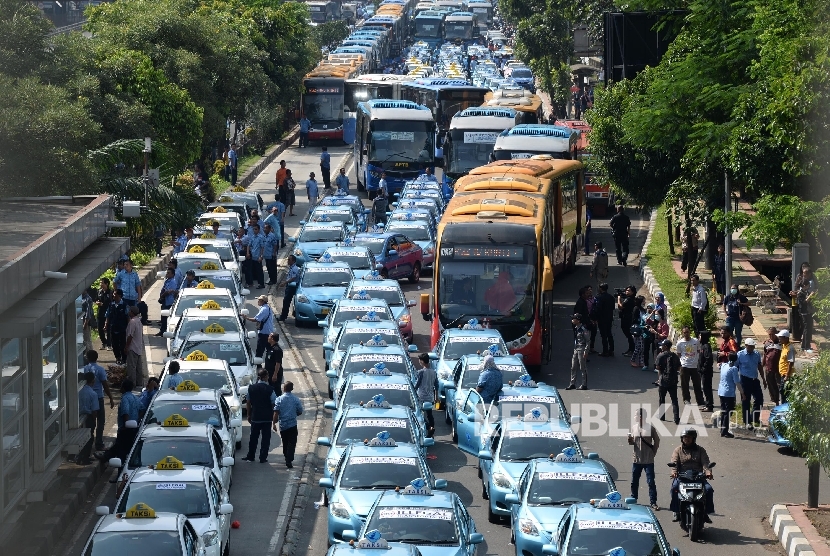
(458, 321)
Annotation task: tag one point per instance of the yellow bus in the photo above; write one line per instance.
(528, 105)
(494, 263)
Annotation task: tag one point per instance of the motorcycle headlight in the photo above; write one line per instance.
(331, 464)
(210, 538)
(338, 509)
(302, 298)
(528, 527)
(501, 480)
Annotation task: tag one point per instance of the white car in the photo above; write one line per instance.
(198, 260)
(231, 347)
(215, 374)
(225, 279)
(196, 444)
(227, 220)
(197, 320)
(140, 530)
(191, 490)
(222, 247)
(207, 299)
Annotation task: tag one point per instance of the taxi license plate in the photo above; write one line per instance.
(326, 310)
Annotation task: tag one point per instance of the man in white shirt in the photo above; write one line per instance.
(700, 304)
(688, 349)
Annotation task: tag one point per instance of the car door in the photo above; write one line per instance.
(392, 260)
(219, 453)
(467, 424)
(218, 497)
(453, 394)
(491, 444)
(406, 254)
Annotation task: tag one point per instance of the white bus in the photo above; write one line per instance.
(526, 140)
(472, 136)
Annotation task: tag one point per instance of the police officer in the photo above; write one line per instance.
(261, 398)
(273, 362)
(292, 276)
(690, 456)
(270, 248)
(256, 254)
(117, 321)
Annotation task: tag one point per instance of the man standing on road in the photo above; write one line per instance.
(426, 386)
(233, 162)
(646, 442)
(273, 362)
(128, 410)
(305, 126)
(749, 365)
(490, 381)
(103, 303)
(277, 222)
(604, 313)
(260, 403)
(167, 297)
(270, 246)
(583, 307)
(342, 181)
(286, 410)
(626, 305)
(256, 254)
(599, 265)
(265, 324)
(291, 277)
(688, 349)
(700, 305)
(280, 179)
(771, 362)
(668, 365)
(578, 360)
(621, 230)
(325, 167)
(312, 191)
(786, 364)
(118, 317)
(100, 386)
(135, 347)
(129, 283)
(88, 408)
(730, 380)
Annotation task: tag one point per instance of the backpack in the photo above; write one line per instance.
(746, 315)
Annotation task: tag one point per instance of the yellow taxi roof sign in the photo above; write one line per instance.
(187, 385)
(238, 189)
(211, 222)
(175, 420)
(221, 209)
(210, 266)
(139, 511)
(208, 235)
(196, 356)
(210, 305)
(205, 285)
(196, 249)
(169, 463)
(214, 328)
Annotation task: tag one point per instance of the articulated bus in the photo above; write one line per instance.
(527, 140)
(394, 24)
(461, 27)
(528, 105)
(322, 100)
(429, 27)
(323, 10)
(472, 136)
(597, 197)
(396, 137)
(532, 246)
(444, 97)
(370, 86)
(483, 10)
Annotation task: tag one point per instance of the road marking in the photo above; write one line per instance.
(279, 534)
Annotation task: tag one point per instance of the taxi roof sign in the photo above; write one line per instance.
(209, 266)
(140, 511)
(238, 189)
(215, 328)
(169, 463)
(208, 235)
(175, 420)
(205, 285)
(196, 249)
(210, 305)
(211, 222)
(187, 386)
(223, 209)
(197, 356)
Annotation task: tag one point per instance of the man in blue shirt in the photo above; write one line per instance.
(270, 248)
(292, 276)
(490, 381)
(256, 252)
(749, 365)
(265, 324)
(305, 125)
(342, 181)
(88, 408)
(275, 220)
(312, 190)
(286, 410)
(232, 164)
(99, 386)
(167, 297)
(128, 411)
(260, 407)
(325, 167)
(173, 376)
(148, 394)
(730, 379)
(129, 283)
(178, 274)
(218, 234)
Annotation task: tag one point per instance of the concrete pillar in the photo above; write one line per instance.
(36, 402)
(70, 357)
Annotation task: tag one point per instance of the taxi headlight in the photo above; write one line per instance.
(429, 250)
(302, 298)
(405, 319)
(501, 480)
(528, 527)
(298, 252)
(331, 464)
(338, 509)
(335, 364)
(444, 374)
(210, 538)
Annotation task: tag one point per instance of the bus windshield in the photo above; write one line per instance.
(324, 108)
(402, 141)
(427, 29)
(458, 30)
(501, 290)
(470, 149)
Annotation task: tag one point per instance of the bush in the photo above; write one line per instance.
(219, 167)
(185, 181)
(681, 315)
(809, 418)
(822, 298)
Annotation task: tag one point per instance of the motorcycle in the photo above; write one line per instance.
(692, 496)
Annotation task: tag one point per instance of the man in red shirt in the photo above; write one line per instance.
(728, 344)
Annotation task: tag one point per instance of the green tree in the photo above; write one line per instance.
(329, 34)
(23, 30)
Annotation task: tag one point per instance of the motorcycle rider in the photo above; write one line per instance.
(690, 456)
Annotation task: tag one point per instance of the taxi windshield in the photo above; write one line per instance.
(321, 234)
(357, 335)
(232, 352)
(379, 472)
(205, 378)
(358, 362)
(198, 324)
(357, 429)
(326, 277)
(195, 412)
(135, 543)
(190, 451)
(509, 372)
(346, 216)
(524, 445)
(196, 301)
(416, 525)
(566, 488)
(415, 232)
(591, 537)
(518, 406)
(345, 314)
(456, 347)
(355, 260)
(195, 263)
(223, 250)
(395, 394)
(190, 499)
(375, 244)
(390, 294)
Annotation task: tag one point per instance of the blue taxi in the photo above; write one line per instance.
(545, 490)
(506, 451)
(357, 423)
(418, 231)
(399, 255)
(419, 203)
(367, 310)
(417, 213)
(455, 342)
(321, 283)
(357, 389)
(341, 198)
(354, 221)
(363, 359)
(360, 258)
(316, 237)
(609, 526)
(436, 521)
(374, 287)
(363, 473)
(419, 194)
(377, 334)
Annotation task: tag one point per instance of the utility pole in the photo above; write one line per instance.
(148, 147)
(727, 236)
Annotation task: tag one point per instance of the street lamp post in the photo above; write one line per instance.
(727, 236)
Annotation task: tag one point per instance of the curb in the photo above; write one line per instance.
(649, 281)
(251, 173)
(795, 532)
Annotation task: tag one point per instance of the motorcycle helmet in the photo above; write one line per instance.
(690, 432)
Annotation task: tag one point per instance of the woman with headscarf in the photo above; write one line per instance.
(490, 381)
(637, 330)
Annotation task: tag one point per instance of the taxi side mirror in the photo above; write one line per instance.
(427, 406)
(331, 373)
(485, 455)
(575, 419)
(168, 335)
(115, 463)
(433, 356)
(257, 361)
(291, 238)
(252, 334)
(630, 500)
(165, 312)
(512, 499)
(392, 252)
(227, 461)
(324, 441)
(412, 348)
(675, 552)
(245, 291)
(475, 538)
(427, 442)
(593, 456)
(550, 550)
(322, 323)
(302, 222)
(410, 303)
(328, 345)
(235, 423)
(349, 535)
(161, 275)
(241, 258)
(293, 284)
(440, 484)
(102, 510)
(326, 482)
(330, 405)
(244, 312)
(226, 509)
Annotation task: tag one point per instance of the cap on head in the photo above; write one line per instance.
(577, 316)
(263, 298)
(749, 342)
(783, 333)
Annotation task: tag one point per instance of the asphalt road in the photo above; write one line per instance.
(750, 477)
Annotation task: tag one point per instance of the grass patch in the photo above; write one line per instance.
(660, 261)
